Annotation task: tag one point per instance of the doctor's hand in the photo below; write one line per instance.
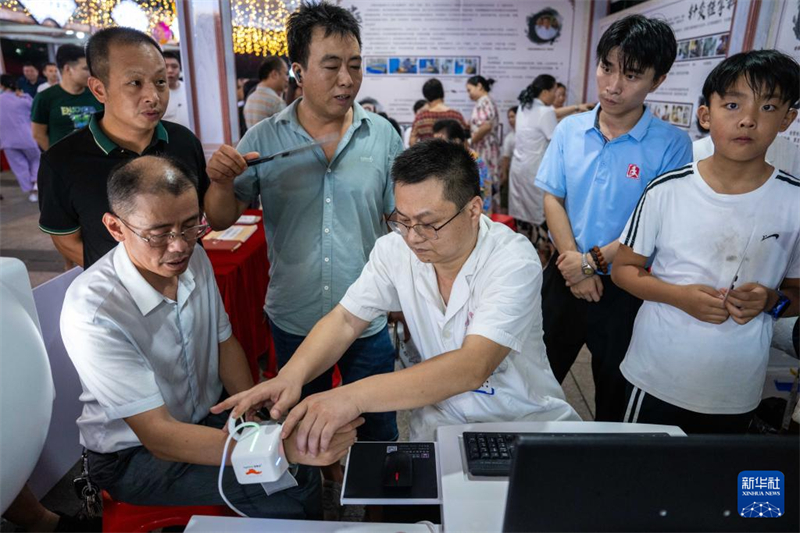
(279, 394)
(227, 163)
(569, 264)
(316, 420)
(340, 443)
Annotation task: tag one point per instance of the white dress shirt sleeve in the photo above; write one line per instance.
(110, 366)
(507, 304)
(374, 293)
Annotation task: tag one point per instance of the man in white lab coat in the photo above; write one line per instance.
(470, 292)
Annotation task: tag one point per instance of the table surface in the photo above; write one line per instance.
(220, 524)
(479, 504)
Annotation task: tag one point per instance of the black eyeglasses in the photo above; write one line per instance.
(426, 231)
(190, 235)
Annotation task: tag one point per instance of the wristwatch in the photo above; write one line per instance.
(585, 266)
(780, 306)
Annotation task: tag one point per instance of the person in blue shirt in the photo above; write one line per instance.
(593, 173)
(324, 208)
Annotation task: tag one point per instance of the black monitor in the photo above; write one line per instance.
(695, 483)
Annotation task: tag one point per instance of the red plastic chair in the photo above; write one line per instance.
(124, 517)
(505, 219)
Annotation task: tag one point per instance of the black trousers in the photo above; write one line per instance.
(646, 409)
(605, 327)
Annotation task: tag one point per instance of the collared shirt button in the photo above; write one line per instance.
(329, 171)
(327, 259)
(327, 230)
(325, 287)
(327, 200)
(446, 334)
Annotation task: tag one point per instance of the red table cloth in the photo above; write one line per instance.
(242, 277)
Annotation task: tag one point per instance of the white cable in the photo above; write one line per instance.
(231, 435)
(430, 525)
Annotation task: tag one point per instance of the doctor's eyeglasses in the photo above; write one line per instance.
(426, 231)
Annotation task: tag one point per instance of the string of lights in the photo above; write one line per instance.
(259, 26)
(98, 13)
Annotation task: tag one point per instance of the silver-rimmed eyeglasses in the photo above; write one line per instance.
(190, 235)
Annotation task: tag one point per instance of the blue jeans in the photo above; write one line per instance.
(137, 477)
(366, 357)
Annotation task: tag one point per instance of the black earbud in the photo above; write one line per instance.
(298, 75)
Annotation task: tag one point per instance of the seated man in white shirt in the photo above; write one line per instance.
(147, 331)
(470, 292)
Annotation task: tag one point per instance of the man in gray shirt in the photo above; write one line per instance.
(323, 208)
(266, 100)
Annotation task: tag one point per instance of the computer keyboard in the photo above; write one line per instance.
(490, 454)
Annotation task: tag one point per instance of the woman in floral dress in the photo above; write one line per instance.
(484, 137)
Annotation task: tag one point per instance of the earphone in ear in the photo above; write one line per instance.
(298, 75)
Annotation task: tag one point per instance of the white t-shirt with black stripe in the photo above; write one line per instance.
(697, 236)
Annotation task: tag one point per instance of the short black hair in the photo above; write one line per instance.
(133, 178)
(454, 130)
(97, 49)
(542, 82)
(433, 90)
(269, 65)
(8, 81)
(173, 55)
(393, 122)
(68, 54)
(480, 80)
(561, 85)
(49, 63)
(300, 27)
(767, 72)
(419, 104)
(448, 162)
(29, 64)
(371, 101)
(642, 43)
(515, 109)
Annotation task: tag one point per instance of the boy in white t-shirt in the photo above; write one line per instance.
(724, 238)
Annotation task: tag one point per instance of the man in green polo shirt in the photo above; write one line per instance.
(129, 77)
(68, 105)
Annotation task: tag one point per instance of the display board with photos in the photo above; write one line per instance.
(786, 38)
(409, 42)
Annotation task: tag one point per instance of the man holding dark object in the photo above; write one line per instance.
(324, 208)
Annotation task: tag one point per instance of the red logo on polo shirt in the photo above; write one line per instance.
(633, 172)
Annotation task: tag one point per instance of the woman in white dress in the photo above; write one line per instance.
(536, 121)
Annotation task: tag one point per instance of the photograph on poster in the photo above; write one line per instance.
(422, 66)
(703, 47)
(376, 65)
(466, 66)
(429, 65)
(544, 27)
(678, 114)
(446, 65)
(402, 65)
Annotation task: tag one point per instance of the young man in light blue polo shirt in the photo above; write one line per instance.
(593, 173)
(324, 208)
